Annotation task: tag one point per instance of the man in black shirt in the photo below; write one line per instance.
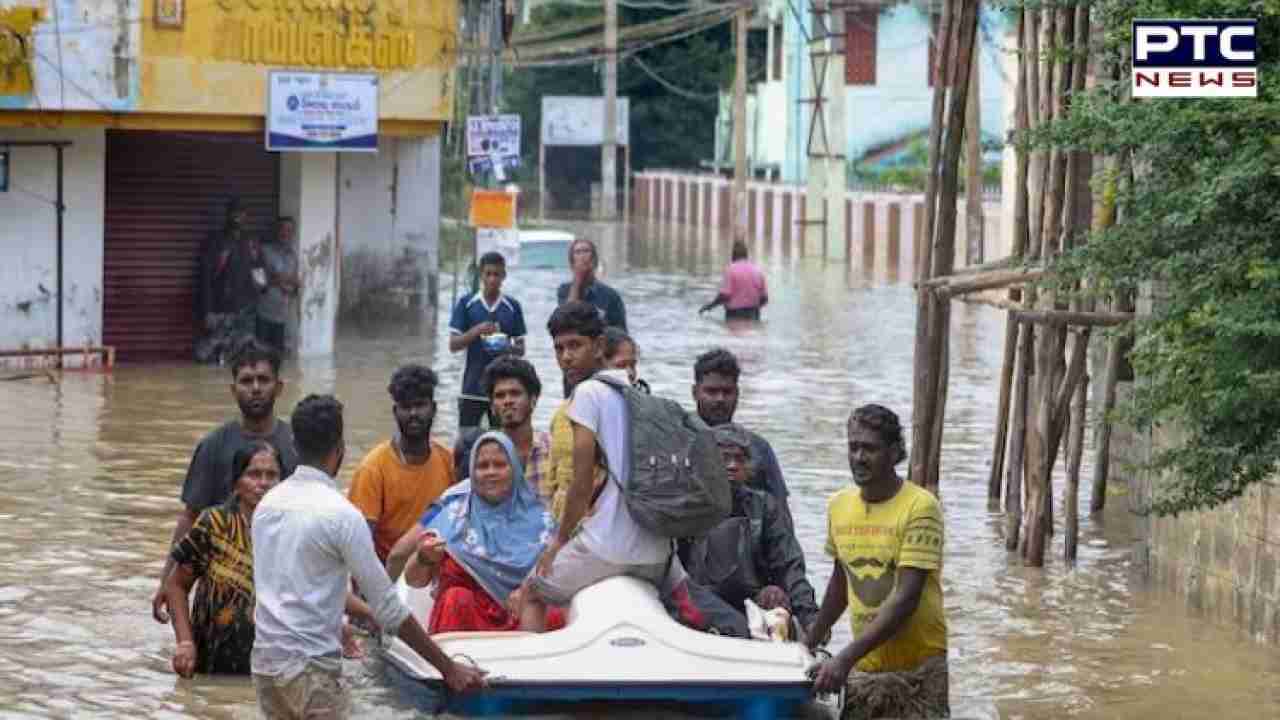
(256, 383)
(583, 261)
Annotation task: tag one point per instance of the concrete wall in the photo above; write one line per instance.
(901, 101)
(28, 280)
(389, 229)
(308, 193)
(1225, 562)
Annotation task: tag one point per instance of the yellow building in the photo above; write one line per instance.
(164, 104)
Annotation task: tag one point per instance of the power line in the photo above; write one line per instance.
(672, 87)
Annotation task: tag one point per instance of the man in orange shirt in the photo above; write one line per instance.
(399, 478)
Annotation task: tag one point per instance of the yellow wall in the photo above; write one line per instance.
(16, 57)
(216, 60)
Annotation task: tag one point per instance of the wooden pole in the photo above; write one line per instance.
(1002, 413)
(974, 217)
(1018, 437)
(739, 202)
(542, 179)
(609, 146)
(1029, 61)
(925, 363)
(944, 241)
(1075, 452)
(947, 287)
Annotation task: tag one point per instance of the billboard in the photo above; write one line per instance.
(579, 120)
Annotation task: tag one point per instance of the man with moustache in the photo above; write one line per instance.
(255, 385)
(513, 388)
(715, 391)
(886, 538)
(400, 477)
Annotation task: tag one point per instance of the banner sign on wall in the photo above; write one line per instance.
(579, 120)
(322, 112)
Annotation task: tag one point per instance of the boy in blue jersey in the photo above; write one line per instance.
(486, 324)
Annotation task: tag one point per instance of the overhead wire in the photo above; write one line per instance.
(690, 94)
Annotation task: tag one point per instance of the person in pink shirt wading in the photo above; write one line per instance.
(742, 291)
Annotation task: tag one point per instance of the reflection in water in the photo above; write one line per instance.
(91, 469)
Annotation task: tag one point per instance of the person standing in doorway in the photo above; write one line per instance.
(486, 324)
(886, 537)
(584, 260)
(255, 385)
(399, 478)
(280, 263)
(743, 291)
(308, 543)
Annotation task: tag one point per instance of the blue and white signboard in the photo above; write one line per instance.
(322, 112)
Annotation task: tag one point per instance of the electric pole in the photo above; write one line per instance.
(609, 144)
(739, 205)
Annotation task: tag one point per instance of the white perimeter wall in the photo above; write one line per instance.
(28, 240)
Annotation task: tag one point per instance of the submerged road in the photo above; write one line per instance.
(91, 468)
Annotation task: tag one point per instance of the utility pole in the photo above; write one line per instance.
(739, 204)
(495, 58)
(609, 144)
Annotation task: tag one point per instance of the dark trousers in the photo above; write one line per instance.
(270, 333)
(471, 411)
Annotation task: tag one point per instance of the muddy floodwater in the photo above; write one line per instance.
(91, 467)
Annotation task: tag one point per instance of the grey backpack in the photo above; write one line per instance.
(678, 486)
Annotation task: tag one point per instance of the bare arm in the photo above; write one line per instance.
(177, 590)
(420, 572)
(359, 609)
(402, 551)
(159, 602)
(891, 617)
(721, 299)
(834, 602)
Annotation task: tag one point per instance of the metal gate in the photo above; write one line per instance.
(166, 194)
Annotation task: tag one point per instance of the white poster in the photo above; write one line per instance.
(308, 111)
(579, 120)
(489, 135)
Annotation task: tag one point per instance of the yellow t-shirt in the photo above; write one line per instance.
(559, 475)
(394, 495)
(872, 541)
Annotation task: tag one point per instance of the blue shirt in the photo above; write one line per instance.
(606, 299)
(471, 311)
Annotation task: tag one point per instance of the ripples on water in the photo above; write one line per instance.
(91, 469)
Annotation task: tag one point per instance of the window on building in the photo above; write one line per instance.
(860, 45)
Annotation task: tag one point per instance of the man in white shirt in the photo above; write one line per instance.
(308, 542)
(610, 542)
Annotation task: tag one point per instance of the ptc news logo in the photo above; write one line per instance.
(1195, 58)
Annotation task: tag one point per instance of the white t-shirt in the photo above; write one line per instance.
(610, 532)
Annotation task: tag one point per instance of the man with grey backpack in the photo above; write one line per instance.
(636, 512)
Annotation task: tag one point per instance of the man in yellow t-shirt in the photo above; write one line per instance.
(886, 537)
(399, 478)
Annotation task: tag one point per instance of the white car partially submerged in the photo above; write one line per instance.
(619, 645)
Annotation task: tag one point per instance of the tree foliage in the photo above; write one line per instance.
(668, 130)
(1200, 223)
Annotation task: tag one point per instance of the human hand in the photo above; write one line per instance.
(463, 678)
(352, 648)
(184, 659)
(772, 597)
(486, 328)
(548, 557)
(831, 675)
(160, 606)
(515, 601)
(812, 639)
(431, 549)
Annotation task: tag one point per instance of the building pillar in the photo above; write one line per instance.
(417, 221)
(309, 193)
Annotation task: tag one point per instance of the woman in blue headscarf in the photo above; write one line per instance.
(482, 538)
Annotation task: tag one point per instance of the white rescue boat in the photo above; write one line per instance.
(619, 645)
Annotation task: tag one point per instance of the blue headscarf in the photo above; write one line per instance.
(498, 544)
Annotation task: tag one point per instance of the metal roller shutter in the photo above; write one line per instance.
(165, 194)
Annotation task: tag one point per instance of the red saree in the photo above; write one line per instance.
(463, 606)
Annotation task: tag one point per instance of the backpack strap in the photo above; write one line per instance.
(622, 388)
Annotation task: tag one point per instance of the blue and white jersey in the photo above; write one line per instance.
(472, 310)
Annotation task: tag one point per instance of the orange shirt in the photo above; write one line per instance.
(393, 495)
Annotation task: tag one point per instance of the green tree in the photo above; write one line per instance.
(1199, 219)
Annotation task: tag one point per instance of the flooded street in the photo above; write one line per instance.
(91, 469)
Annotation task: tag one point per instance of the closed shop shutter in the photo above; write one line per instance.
(165, 194)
